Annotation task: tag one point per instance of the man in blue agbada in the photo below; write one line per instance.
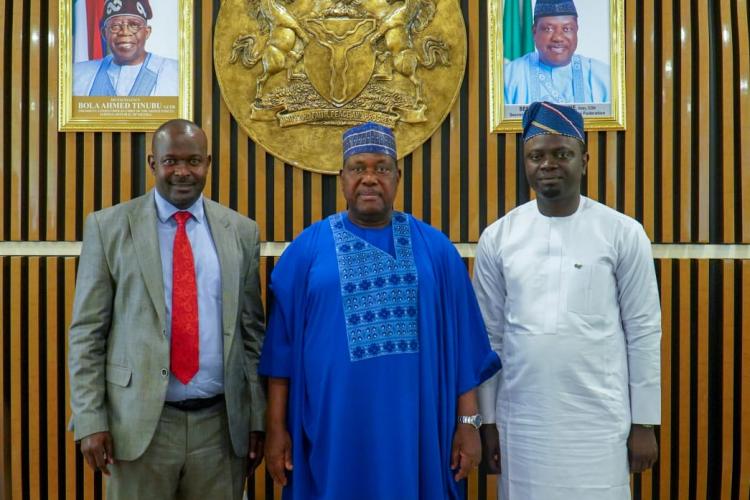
(374, 348)
(554, 72)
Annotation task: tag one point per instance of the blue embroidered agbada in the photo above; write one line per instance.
(378, 332)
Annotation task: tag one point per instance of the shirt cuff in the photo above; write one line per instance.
(645, 405)
(487, 395)
(87, 424)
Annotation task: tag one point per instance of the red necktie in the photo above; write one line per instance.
(184, 349)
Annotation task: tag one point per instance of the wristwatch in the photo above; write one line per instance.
(473, 420)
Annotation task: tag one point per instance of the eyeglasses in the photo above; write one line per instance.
(380, 170)
(131, 28)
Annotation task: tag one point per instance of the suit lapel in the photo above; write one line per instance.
(225, 240)
(146, 241)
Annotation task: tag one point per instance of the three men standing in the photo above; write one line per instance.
(166, 334)
(376, 342)
(569, 297)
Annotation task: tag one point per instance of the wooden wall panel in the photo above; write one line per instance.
(681, 168)
(706, 315)
(5, 447)
(663, 163)
(742, 118)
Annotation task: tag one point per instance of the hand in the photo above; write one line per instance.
(467, 450)
(255, 453)
(278, 454)
(490, 448)
(98, 450)
(642, 448)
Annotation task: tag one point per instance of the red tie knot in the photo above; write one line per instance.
(181, 217)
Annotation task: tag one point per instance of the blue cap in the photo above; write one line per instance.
(546, 8)
(550, 118)
(369, 137)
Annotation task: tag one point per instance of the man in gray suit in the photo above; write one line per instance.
(166, 333)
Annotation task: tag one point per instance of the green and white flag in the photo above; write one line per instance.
(518, 17)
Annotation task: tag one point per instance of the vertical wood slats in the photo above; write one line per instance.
(34, 197)
(472, 76)
(279, 205)
(648, 130)
(51, 181)
(260, 192)
(744, 449)
(69, 270)
(204, 51)
(727, 125)
(51, 215)
(16, 434)
(742, 87)
(4, 103)
(27, 171)
(511, 172)
(454, 193)
(700, 344)
(704, 90)
(592, 174)
(34, 345)
(727, 383)
(687, 288)
(16, 114)
(53, 336)
(685, 119)
(667, 133)
(683, 408)
(666, 430)
(5, 446)
(436, 190)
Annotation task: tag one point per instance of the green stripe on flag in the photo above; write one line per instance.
(517, 37)
(527, 37)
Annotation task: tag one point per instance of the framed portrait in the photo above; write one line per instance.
(125, 65)
(566, 51)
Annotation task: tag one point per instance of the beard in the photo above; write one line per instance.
(549, 191)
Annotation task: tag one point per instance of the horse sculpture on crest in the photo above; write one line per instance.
(284, 44)
(396, 30)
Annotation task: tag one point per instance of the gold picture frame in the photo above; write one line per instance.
(598, 115)
(88, 113)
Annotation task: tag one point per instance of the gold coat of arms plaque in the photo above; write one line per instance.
(296, 73)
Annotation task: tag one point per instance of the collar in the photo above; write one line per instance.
(112, 62)
(165, 210)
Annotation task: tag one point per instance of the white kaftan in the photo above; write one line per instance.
(572, 308)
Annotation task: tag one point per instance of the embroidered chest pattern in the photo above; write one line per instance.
(542, 80)
(379, 293)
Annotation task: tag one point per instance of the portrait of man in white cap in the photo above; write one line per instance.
(127, 69)
(555, 71)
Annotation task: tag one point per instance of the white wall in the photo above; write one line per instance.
(164, 38)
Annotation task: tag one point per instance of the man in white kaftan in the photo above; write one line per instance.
(568, 293)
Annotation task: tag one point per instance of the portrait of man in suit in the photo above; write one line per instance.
(166, 334)
(126, 67)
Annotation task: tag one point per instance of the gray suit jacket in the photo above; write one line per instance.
(119, 350)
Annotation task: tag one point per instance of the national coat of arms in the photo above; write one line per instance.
(296, 73)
